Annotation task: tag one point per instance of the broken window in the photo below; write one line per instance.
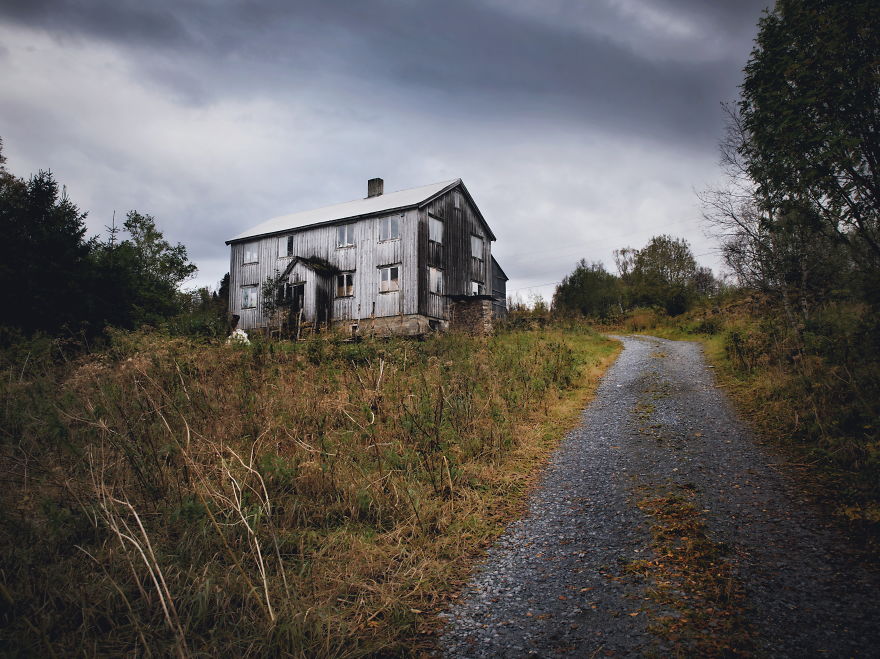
(435, 280)
(345, 284)
(435, 229)
(345, 235)
(477, 247)
(285, 246)
(389, 228)
(248, 297)
(389, 278)
(251, 253)
(477, 288)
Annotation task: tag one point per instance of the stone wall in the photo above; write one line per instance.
(472, 315)
(403, 325)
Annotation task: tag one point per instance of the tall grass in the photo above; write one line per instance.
(313, 499)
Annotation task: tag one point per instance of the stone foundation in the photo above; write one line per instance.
(409, 325)
(472, 314)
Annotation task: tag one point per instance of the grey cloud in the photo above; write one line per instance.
(456, 58)
(404, 89)
(123, 21)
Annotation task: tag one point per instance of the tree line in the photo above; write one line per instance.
(57, 280)
(663, 274)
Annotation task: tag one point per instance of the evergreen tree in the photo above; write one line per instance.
(43, 255)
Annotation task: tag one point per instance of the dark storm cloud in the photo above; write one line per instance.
(456, 58)
(125, 22)
(579, 126)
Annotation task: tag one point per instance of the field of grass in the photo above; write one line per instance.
(324, 498)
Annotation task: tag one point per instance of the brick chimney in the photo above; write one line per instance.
(375, 187)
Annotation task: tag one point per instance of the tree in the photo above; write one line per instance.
(810, 112)
(781, 251)
(54, 279)
(589, 290)
(662, 274)
(43, 254)
(137, 280)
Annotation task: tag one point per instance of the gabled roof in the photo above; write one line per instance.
(355, 209)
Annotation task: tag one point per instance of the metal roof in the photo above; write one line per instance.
(349, 210)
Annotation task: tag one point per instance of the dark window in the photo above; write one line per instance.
(345, 284)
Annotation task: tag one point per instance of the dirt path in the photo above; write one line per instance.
(661, 527)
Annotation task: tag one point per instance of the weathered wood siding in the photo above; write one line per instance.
(364, 259)
(460, 222)
(499, 291)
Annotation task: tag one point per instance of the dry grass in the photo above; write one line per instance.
(318, 499)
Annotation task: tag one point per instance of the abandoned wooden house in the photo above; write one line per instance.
(405, 262)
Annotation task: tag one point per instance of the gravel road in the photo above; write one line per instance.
(556, 583)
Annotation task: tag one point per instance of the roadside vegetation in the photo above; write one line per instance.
(815, 392)
(795, 328)
(172, 496)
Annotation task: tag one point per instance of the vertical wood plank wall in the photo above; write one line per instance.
(460, 222)
(364, 259)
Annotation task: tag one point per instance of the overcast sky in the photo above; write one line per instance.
(579, 126)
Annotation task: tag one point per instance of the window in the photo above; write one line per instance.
(345, 235)
(345, 284)
(435, 229)
(477, 247)
(248, 297)
(389, 228)
(285, 246)
(435, 280)
(388, 279)
(476, 288)
(251, 253)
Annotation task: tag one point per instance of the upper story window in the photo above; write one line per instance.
(435, 280)
(435, 229)
(345, 284)
(285, 246)
(249, 297)
(251, 253)
(477, 288)
(477, 247)
(389, 228)
(389, 278)
(345, 235)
